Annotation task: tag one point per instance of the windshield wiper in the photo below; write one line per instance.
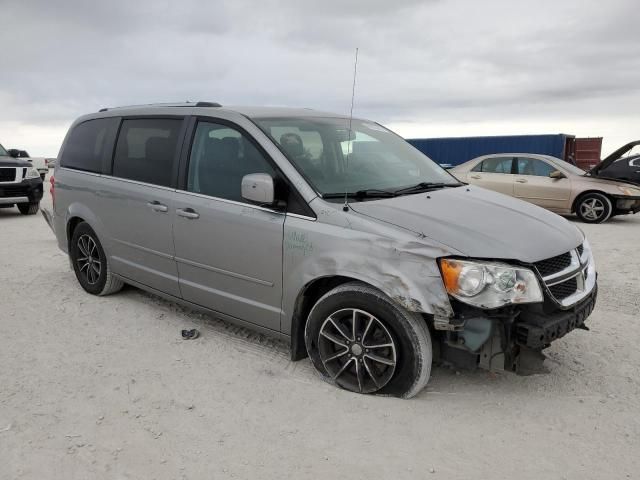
(368, 193)
(424, 186)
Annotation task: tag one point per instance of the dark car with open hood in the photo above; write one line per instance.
(20, 184)
(623, 164)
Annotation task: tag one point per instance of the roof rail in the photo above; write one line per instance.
(208, 104)
(185, 104)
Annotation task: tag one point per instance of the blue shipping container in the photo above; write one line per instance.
(457, 150)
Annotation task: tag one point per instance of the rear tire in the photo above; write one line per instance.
(594, 207)
(28, 208)
(388, 351)
(90, 263)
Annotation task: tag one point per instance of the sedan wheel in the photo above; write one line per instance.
(594, 208)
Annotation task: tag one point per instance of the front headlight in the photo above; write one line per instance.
(32, 173)
(488, 284)
(632, 192)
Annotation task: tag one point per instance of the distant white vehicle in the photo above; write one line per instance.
(39, 163)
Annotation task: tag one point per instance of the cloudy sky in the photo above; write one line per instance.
(426, 68)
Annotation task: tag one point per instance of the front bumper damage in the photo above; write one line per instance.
(536, 330)
(512, 338)
(626, 204)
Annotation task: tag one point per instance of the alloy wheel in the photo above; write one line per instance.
(592, 209)
(357, 350)
(89, 263)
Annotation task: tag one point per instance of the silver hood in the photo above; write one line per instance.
(478, 223)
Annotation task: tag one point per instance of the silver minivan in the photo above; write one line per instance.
(334, 234)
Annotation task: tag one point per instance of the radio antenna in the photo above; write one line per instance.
(345, 208)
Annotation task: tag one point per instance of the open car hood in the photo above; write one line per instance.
(613, 157)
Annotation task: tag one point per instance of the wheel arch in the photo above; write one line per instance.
(586, 192)
(313, 290)
(72, 224)
(77, 213)
(307, 297)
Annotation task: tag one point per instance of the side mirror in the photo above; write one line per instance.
(13, 152)
(557, 174)
(258, 188)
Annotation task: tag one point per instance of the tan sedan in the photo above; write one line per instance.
(551, 183)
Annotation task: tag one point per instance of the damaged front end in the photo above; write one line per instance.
(512, 337)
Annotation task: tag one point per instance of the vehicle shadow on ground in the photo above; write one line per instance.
(444, 380)
(10, 212)
(617, 220)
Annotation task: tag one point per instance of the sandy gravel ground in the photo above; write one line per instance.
(94, 388)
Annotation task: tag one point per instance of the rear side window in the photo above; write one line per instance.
(494, 165)
(87, 145)
(146, 150)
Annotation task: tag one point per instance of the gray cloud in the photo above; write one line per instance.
(420, 61)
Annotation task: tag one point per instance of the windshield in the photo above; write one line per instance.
(334, 161)
(3, 152)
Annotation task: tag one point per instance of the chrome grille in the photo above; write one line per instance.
(562, 290)
(568, 277)
(553, 265)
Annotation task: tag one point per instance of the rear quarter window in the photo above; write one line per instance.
(88, 144)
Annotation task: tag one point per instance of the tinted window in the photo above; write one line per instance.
(532, 166)
(220, 157)
(495, 165)
(87, 145)
(146, 149)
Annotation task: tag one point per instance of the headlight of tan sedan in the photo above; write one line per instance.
(489, 284)
(632, 192)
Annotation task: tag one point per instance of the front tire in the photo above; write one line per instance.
(362, 341)
(90, 263)
(594, 208)
(28, 208)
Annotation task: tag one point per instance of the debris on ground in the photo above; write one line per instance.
(190, 334)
